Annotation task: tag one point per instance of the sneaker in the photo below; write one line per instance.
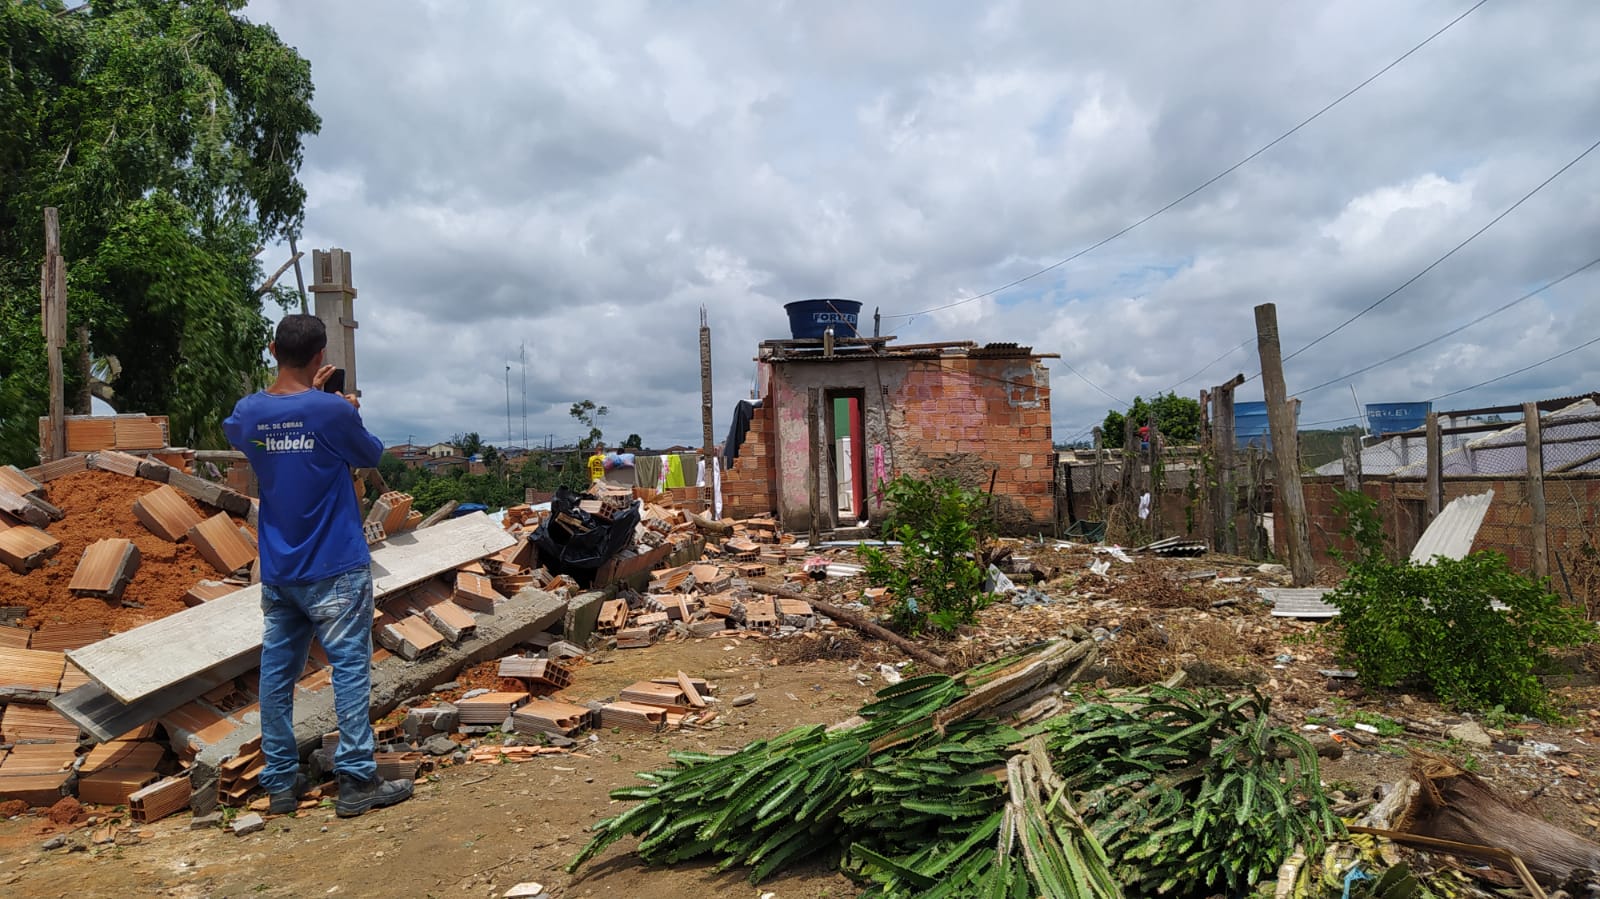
(357, 797)
(289, 802)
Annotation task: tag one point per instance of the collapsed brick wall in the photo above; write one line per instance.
(749, 488)
(1571, 505)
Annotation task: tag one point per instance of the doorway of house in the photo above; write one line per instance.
(847, 462)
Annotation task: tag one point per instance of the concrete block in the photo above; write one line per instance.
(583, 611)
(206, 821)
(247, 824)
(153, 470)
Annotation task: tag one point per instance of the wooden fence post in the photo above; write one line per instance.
(1435, 482)
(1097, 480)
(53, 318)
(1290, 505)
(1533, 428)
(1222, 435)
(1352, 464)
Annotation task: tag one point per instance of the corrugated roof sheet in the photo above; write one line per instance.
(1451, 534)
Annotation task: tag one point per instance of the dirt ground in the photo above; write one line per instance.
(477, 829)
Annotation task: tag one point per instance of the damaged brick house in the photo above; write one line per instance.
(834, 421)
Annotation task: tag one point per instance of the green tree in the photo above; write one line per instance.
(588, 414)
(169, 134)
(1177, 417)
(469, 444)
(634, 441)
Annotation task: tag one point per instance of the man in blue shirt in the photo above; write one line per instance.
(316, 577)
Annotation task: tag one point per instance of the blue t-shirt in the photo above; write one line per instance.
(302, 447)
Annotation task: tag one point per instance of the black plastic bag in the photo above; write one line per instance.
(575, 543)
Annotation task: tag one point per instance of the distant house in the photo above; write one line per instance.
(442, 450)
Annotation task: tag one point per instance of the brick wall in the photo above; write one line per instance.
(749, 488)
(969, 417)
(1570, 503)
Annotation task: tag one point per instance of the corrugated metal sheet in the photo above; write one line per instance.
(1451, 534)
(1299, 602)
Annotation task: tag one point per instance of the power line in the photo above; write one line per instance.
(1209, 181)
(1519, 371)
(1207, 366)
(1435, 263)
(1453, 331)
(1102, 390)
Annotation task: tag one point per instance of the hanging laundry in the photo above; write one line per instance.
(647, 470)
(743, 414)
(716, 491)
(674, 472)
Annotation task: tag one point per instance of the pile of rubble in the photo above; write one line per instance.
(81, 717)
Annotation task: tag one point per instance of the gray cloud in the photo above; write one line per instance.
(584, 179)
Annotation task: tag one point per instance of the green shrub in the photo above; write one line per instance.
(934, 581)
(1435, 626)
(1363, 526)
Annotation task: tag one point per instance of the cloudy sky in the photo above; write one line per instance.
(584, 177)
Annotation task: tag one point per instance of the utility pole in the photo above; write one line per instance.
(1291, 505)
(508, 404)
(523, 356)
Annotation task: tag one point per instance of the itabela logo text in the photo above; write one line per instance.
(302, 443)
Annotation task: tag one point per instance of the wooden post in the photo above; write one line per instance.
(1435, 485)
(53, 318)
(813, 461)
(1153, 460)
(707, 439)
(1097, 480)
(1130, 463)
(1533, 428)
(1222, 435)
(1290, 505)
(1352, 464)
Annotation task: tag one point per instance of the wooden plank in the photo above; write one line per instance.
(157, 655)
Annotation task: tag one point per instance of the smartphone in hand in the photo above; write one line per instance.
(335, 382)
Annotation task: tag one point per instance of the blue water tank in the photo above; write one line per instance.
(809, 318)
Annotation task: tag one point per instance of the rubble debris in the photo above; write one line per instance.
(1455, 804)
(490, 708)
(165, 513)
(864, 625)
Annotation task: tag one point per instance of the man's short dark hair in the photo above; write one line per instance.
(299, 339)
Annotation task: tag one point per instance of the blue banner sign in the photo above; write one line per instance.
(1392, 418)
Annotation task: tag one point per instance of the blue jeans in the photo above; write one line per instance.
(338, 611)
